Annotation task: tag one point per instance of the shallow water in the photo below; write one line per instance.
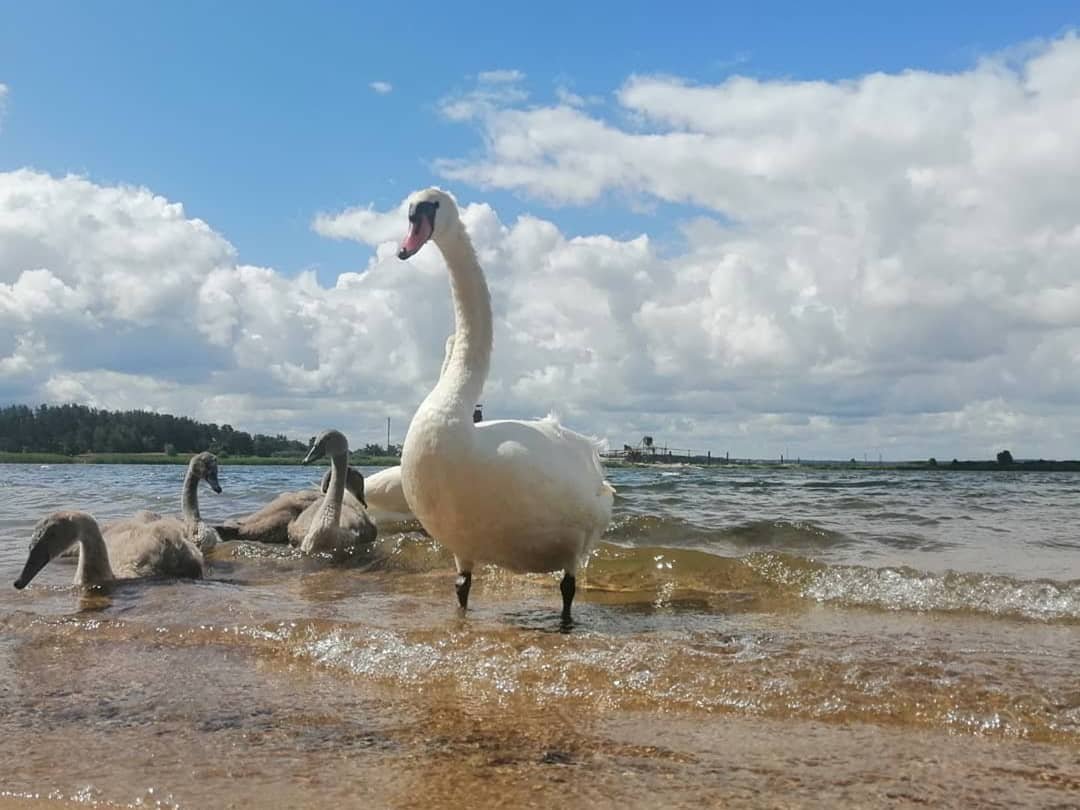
(758, 636)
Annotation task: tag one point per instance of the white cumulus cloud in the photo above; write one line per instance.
(361, 224)
(500, 76)
(493, 89)
(889, 263)
(382, 88)
(888, 246)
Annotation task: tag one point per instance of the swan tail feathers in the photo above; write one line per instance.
(598, 446)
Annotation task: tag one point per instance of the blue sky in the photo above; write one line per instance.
(859, 228)
(257, 115)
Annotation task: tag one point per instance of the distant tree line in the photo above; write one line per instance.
(75, 429)
(372, 449)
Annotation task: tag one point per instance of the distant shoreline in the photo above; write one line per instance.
(1039, 465)
(178, 458)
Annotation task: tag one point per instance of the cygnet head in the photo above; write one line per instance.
(53, 535)
(433, 214)
(354, 482)
(330, 443)
(205, 467)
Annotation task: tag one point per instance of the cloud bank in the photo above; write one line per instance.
(885, 264)
(900, 250)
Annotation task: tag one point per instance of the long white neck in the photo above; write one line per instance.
(466, 369)
(330, 514)
(189, 500)
(94, 567)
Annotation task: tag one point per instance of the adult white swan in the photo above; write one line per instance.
(529, 496)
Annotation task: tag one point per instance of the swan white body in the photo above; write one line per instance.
(386, 498)
(534, 497)
(525, 495)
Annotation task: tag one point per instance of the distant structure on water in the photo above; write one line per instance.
(478, 413)
(648, 451)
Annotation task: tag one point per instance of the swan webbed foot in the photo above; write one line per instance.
(568, 587)
(462, 585)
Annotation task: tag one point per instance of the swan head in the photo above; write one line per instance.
(433, 214)
(53, 535)
(330, 443)
(205, 467)
(354, 482)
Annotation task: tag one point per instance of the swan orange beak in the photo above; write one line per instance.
(421, 226)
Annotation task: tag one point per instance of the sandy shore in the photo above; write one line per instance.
(316, 739)
(625, 762)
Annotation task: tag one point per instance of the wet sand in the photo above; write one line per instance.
(184, 733)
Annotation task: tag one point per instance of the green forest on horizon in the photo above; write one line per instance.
(73, 430)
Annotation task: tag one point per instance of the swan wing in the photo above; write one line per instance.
(155, 548)
(299, 525)
(270, 523)
(355, 521)
(546, 471)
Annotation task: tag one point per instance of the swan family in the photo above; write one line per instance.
(332, 522)
(525, 495)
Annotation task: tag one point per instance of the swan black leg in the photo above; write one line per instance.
(464, 582)
(568, 586)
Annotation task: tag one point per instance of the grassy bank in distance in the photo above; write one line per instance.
(389, 461)
(179, 458)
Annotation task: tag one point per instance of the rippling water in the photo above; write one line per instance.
(811, 636)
